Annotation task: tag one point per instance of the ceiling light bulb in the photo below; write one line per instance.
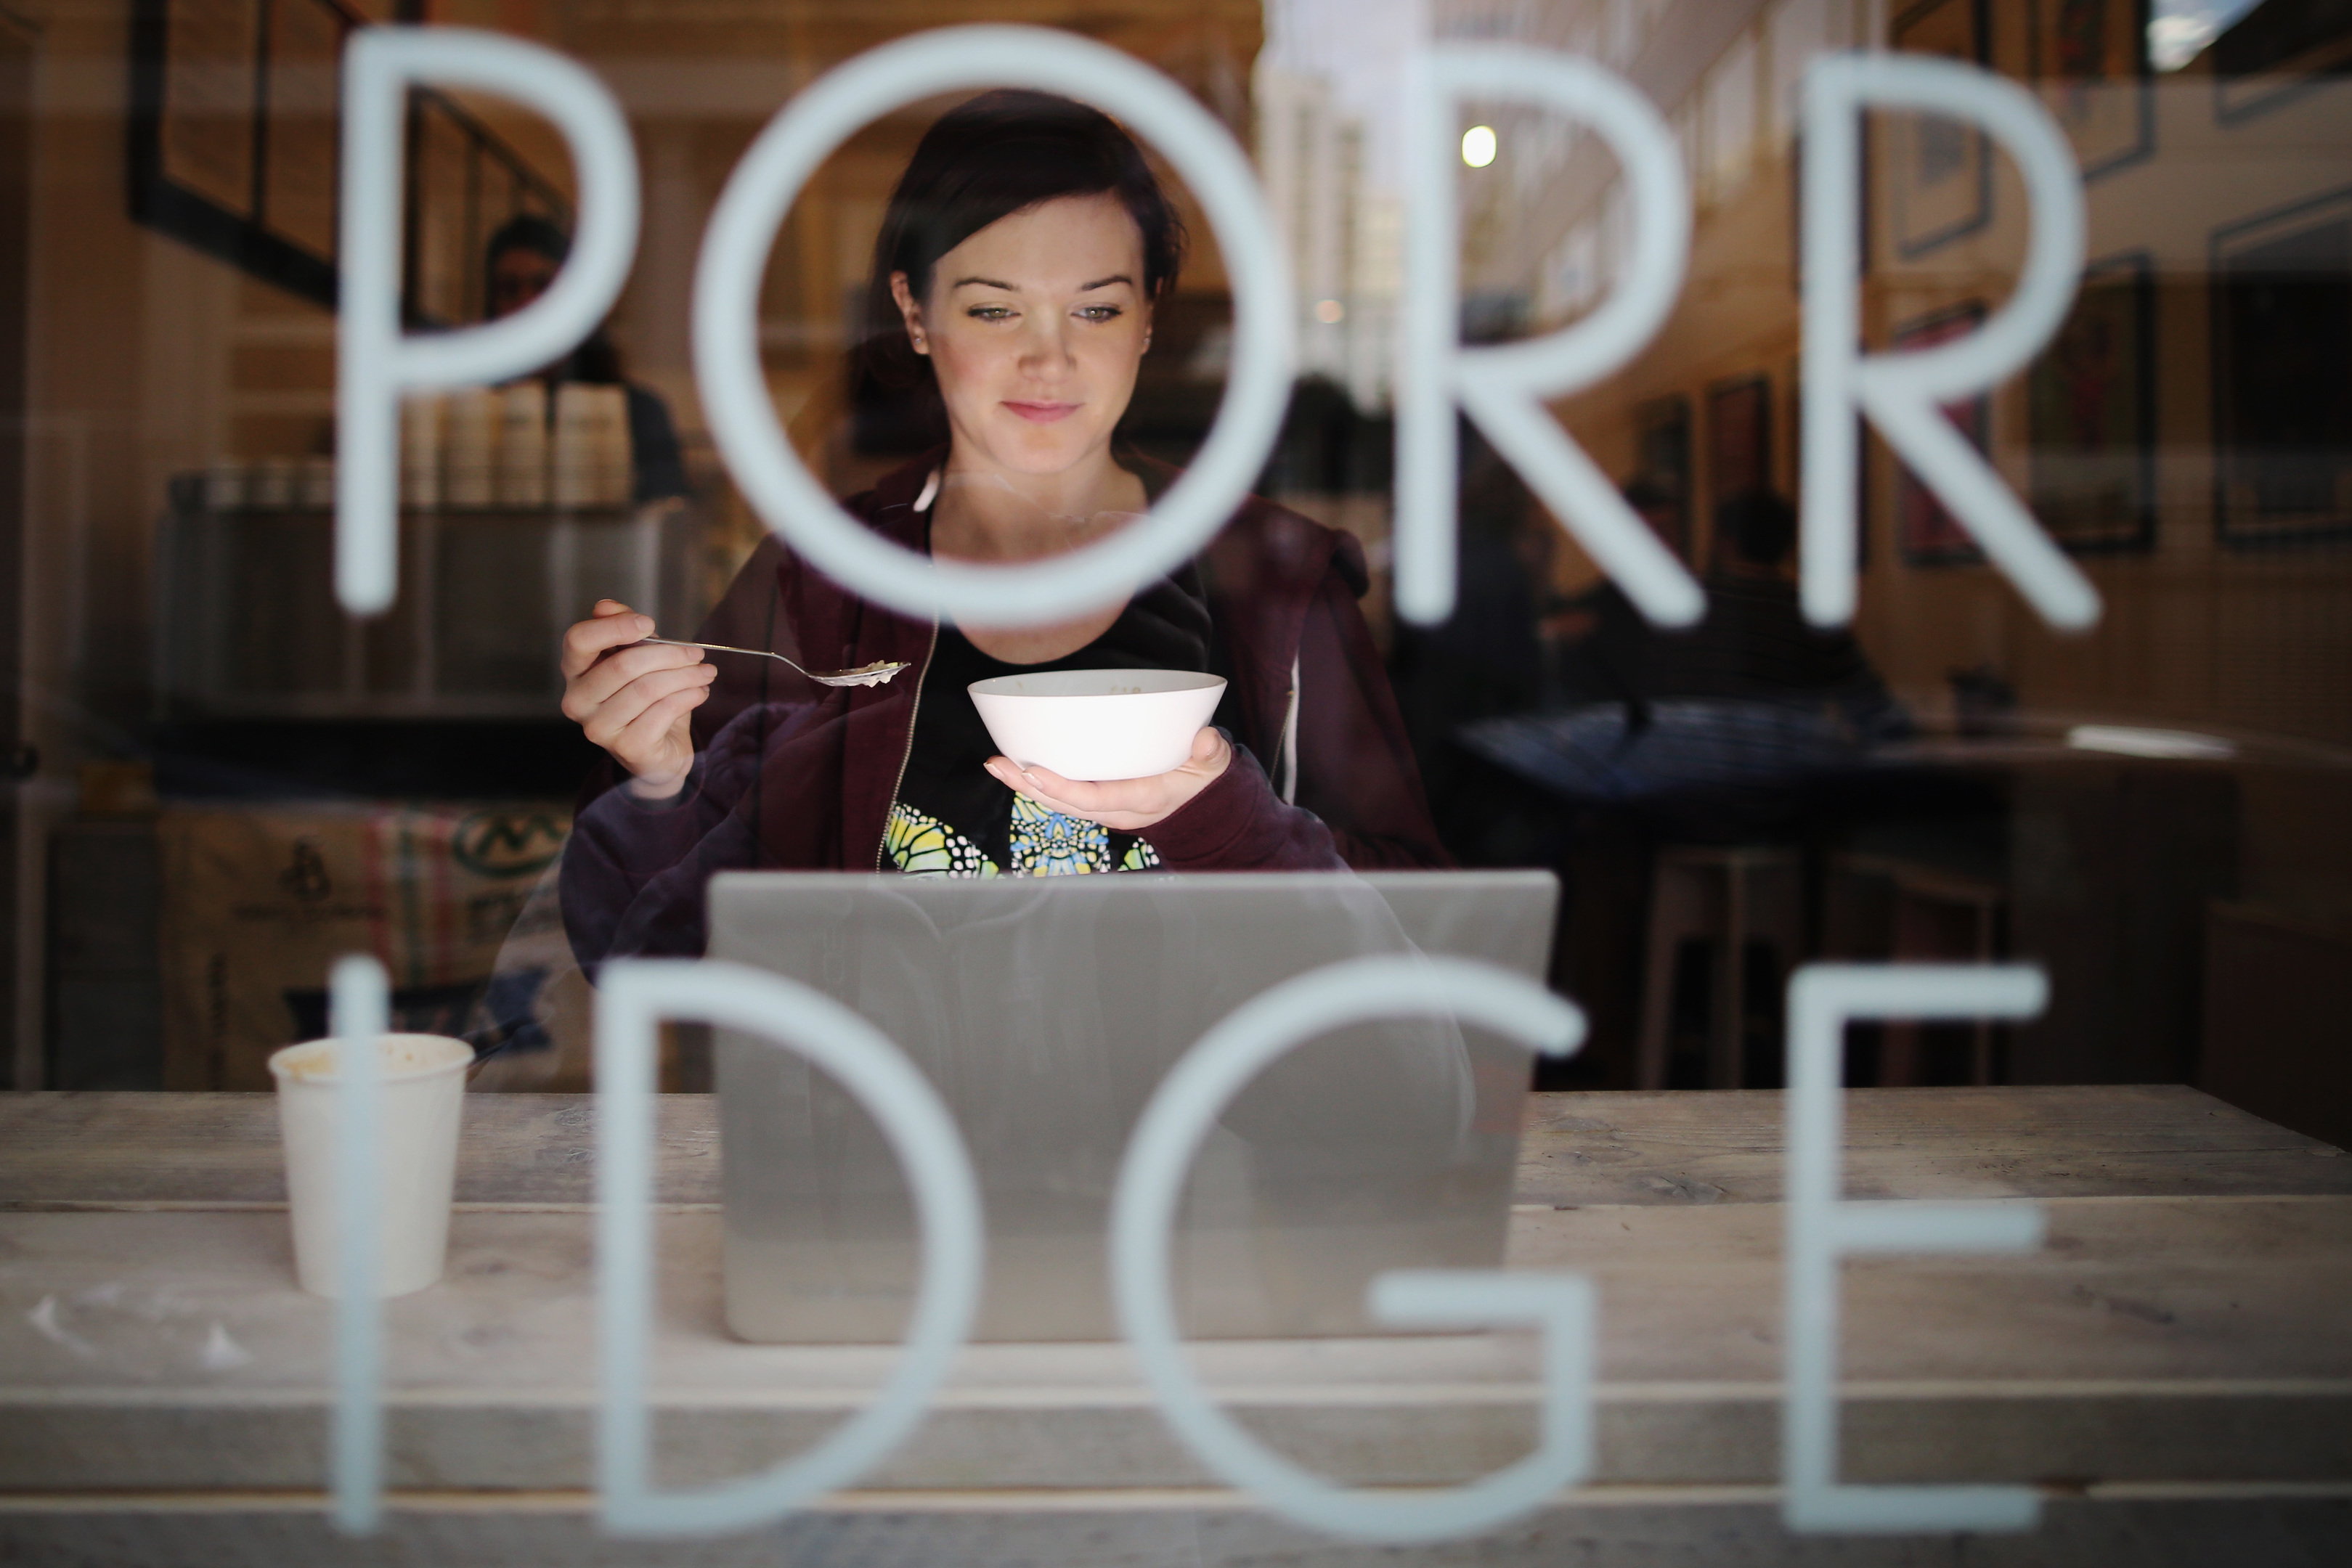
(1478, 146)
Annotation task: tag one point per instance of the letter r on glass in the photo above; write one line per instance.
(1503, 387)
(1901, 393)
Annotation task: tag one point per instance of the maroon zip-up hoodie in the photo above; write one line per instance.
(789, 774)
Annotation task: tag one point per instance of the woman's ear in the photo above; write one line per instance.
(1149, 306)
(910, 312)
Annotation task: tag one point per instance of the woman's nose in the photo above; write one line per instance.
(1045, 346)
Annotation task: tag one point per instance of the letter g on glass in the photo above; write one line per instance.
(1150, 1183)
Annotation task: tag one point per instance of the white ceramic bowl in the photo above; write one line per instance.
(1097, 725)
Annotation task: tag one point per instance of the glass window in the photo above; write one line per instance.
(2139, 806)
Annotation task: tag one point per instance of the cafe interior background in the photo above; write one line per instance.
(220, 783)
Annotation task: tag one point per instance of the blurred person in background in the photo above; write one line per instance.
(520, 262)
(1754, 645)
(1727, 714)
(1487, 659)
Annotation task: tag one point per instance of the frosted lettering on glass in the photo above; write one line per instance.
(359, 1004)
(1824, 1228)
(1901, 393)
(1151, 1184)
(1503, 387)
(742, 418)
(375, 360)
(633, 997)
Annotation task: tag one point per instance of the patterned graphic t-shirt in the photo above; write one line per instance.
(953, 819)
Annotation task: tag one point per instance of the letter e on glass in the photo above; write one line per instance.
(1824, 1228)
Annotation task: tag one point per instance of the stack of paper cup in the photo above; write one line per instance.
(225, 485)
(469, 448)
(572, 471)
(522, 444)
(271, 483)
(420, 1097)
(615, 475)
(421, 419)
(316, 488)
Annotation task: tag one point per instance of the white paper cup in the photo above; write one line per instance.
(1097, 725)
(420, 1097)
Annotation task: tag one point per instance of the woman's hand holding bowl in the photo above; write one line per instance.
(1122, 805)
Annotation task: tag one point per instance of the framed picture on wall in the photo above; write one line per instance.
(2282, 400)
(1739, 436)
(234, 148)
(1939, 170)
(205, 123)
(2275, 50)
(2091, 413)
(2089, 61)
(1662, 429)
(1928, 534)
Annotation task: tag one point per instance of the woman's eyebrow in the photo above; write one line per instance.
(1009, 288)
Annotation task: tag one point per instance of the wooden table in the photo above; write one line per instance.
(2174, 1368)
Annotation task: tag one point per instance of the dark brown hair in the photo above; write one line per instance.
(989, 158)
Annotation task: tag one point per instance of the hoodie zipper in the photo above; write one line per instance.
(913, 716)
(1290, 759)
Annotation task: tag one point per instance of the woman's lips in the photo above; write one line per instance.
(1043, 412)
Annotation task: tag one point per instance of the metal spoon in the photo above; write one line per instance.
(866, 675)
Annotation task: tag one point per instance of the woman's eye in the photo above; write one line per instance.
(990, 313)
(1100, 312)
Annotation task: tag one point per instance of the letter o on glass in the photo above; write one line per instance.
(751, 211)
(633, 997)
(1151, 1182)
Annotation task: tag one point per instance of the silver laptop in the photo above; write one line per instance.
(1046, 1011)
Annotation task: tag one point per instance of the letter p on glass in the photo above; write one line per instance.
(375, 360)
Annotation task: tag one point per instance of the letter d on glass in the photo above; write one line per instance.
(1501, 388)
(375, 361)
(1822, 1228)
(633, 997)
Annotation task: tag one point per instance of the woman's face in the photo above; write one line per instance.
(1036, 324)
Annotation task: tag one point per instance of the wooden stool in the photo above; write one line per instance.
(1725, 896)
(1933, 915)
